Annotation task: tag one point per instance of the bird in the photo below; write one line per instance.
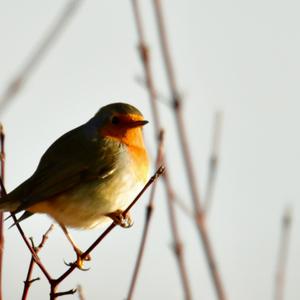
(89, 175)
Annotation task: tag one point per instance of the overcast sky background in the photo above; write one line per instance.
(241, 57)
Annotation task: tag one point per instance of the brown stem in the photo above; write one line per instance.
(35, 257)
(3, 193)
(200, 217)
(145, 56)
(18, 82)
(80, 292)
(2, 161)
(54, 295)
(28, 281)
(282, 255)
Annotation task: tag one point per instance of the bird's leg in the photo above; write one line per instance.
(119, 218)
(79, 261)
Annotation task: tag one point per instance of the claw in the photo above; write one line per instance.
(79, 261)
(120, 219)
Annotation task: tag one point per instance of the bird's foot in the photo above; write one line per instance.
(119, 218)
(80, 261)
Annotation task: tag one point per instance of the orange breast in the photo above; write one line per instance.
(133, 139)
(140, 162)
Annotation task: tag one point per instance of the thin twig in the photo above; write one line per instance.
(30, 248)
(3, 193)
(159, 96)
(56, 282)
(145, 57)
(177, 101)
(53, 296)
(29, 280)
(18, 82)
(80, 292)
(283, 254)
(213, 161)
(149, 212)
(2, 175)
(183, 207)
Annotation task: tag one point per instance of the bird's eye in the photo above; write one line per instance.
(115, 120)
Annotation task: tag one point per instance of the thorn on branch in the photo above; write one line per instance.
(32, 243)
(144, 51)
(159, 172)
(178, 249)
(158, 96)
(161, 135)
(149, 211)
(213, 162)
(29, 282)
(69, 292)
(287, 218)
(176, 102)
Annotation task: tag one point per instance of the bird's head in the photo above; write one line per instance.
(121, 121)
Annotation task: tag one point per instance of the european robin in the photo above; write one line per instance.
(90, 174)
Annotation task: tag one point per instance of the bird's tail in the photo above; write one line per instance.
(24, 216)
(8, 203)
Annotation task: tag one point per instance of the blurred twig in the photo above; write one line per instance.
(213, 161)
(149, 212)
(283, 254)
(30, 248)
(184, 208)
(3, 193)
(80, 292)
(177, 102)
(18, 82)
(2, 160)
(159, 96)
(29, 280)
(145, 57)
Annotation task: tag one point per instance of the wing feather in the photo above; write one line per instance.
(76, 157)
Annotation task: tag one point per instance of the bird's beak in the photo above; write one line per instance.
(137, 123)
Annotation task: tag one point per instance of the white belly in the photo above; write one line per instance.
(86, 205)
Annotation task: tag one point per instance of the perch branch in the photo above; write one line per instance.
(56, 282)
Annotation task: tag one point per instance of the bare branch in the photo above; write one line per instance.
(80, 292)
(2, 175)
(283, 254)
(37, 55)
(32, 251)
(53, 296)
(177, 101)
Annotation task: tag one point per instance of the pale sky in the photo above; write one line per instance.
(241, 57)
